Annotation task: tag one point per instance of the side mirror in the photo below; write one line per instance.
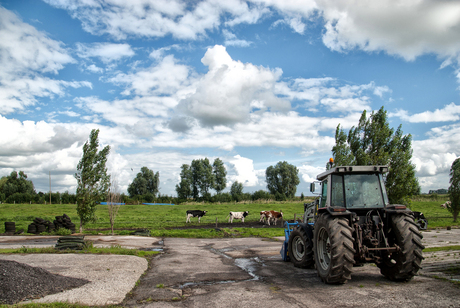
(312, 187)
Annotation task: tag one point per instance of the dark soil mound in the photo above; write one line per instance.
(20, 282)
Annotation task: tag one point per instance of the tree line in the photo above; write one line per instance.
(372, 142)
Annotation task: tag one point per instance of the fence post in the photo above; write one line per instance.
(216, 222)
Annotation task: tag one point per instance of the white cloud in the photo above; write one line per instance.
(245, 173)
(168, 77)
(224, 95)
(325, 91)
(231, 40)
(158, 18)
(26, 54)
(433, 156)
(309, 173)
(449, 113)
(346, 105)
(106, 52)
(95, 69)
(405, 28)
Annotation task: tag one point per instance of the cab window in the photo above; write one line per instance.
(323, 194)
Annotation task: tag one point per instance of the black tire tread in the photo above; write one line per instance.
(409, 259)
(342, 251)
(308, 260)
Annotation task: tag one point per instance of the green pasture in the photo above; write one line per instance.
(166, 220)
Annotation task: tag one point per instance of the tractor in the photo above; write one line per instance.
(352, 223)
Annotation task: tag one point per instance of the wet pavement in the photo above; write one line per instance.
(244, 272)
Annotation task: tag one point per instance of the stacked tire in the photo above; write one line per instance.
(70, 242)
(40, 225)
(10, 227)
(64, 222)
(141, 232)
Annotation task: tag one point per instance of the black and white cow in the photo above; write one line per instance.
(194, 213)
(237, 215)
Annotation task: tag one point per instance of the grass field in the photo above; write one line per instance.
(160, 219)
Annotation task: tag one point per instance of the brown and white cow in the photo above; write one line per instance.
(263, 216)
(273, 215)
(237, 215)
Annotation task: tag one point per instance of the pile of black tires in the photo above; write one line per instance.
(40, 225)
(64, 222)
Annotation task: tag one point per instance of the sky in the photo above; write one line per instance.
(250, 82)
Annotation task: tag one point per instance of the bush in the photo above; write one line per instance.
(223, 197)
(20, 198)
(261, 195)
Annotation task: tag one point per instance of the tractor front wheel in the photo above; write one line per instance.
(300, 249)
(333, 249)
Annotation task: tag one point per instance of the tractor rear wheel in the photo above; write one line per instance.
(300, 249)
(333, 249)
(404, 264)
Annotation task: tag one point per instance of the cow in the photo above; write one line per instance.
(420, 220)
(237, 215)
(273, 215)
(194, 213)
(446, 205)
(263, 216)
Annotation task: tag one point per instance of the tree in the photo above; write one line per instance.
(454, 189)
(145, 182)
(220, 175)
(202, 178)
(16, 183)
(198, 178)
(184, 188)
(236, 190)
(373, 142)
(282, 179)
(92, 179)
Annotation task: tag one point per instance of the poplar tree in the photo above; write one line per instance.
(202, 178)
(184, 188)
(92, 179)
(220, 175)
(374, 142)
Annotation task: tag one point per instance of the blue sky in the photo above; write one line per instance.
(250, 82)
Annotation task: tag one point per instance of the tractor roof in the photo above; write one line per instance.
(352, 169)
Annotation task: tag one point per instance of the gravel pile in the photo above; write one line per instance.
(20, 282)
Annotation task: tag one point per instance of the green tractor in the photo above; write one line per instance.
(352, 223)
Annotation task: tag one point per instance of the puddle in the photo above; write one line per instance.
(248, 265)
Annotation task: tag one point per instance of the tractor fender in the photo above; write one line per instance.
(335, 211)
(308, 229)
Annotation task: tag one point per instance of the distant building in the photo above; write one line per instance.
(440, 191)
